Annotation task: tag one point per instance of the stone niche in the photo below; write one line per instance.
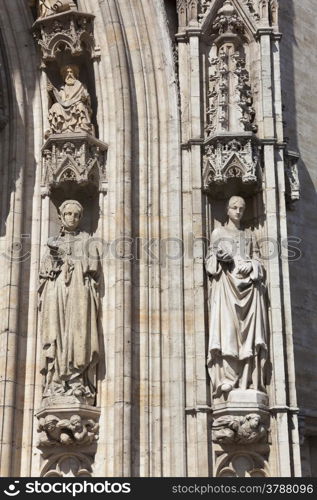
(67, 438)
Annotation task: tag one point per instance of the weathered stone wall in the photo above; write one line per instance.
(298, 24)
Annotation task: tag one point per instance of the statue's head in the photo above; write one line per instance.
(235, 208)
(70, 73)
(50, 422)
(71, 211)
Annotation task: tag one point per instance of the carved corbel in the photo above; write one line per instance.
(292, 184)
(234, 429)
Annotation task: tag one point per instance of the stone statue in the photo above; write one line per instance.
(69, 304)
(71, 111)
(51, 7)
(238, 312)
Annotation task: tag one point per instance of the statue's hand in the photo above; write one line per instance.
(224, 256)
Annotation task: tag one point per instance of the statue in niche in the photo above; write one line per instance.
(71, 111)
(69, 303)
(238, 329)
(74, 430)
(51, 7)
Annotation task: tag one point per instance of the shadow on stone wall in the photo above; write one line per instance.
(299, 89)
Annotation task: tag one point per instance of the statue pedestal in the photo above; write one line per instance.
(242, 402)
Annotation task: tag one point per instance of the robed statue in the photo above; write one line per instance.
(238, 328)
(69, 304)
(71, 110)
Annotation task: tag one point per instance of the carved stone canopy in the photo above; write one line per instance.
(231, 163)
(69, 32)
(77, 158)
(239, 429)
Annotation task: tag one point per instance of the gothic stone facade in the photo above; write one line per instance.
(138, 140)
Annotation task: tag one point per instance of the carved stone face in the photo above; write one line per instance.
(236, 208)
(71, 216)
